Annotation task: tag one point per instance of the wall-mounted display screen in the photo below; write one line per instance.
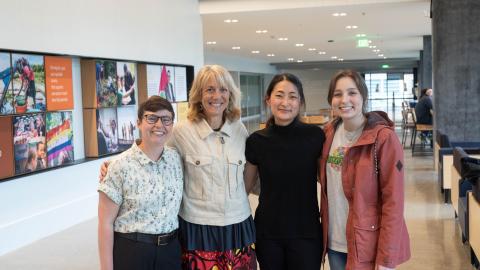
(59, 138)
(29, 142)
(28, 83)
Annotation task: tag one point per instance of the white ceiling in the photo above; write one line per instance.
(396, 27)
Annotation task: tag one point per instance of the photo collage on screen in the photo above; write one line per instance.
(40, 137)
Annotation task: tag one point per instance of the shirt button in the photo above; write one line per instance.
(240, 162)
(373, 226)
(197, 162)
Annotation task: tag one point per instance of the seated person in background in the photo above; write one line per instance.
(424, 112)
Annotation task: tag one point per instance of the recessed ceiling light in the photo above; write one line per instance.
(340, 59)
(334, 57)
(235, 48)
(372, 46)
(351, 27)
(282, 38)
(380, 55)
(369, 41)
(261, 31)
(230, 21)
(339, 14)
(361, 35)
(312, 49)
(211, 42)
(384, 57)
(270, 55)
(299, 61)
(299, 45)
(255, 51)
(290, 59)
(321, 52)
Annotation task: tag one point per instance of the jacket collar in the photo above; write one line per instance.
(142, 158)
(204, 130)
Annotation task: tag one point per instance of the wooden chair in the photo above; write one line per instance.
(421, 128)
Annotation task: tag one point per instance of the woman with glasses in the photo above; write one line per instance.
(216, 226)
(139, 198)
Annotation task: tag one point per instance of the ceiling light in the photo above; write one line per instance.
(385, 66)
(376, 50)
(230, 21)
(261, 31)
(334, 57)
(380, 55)
(312, 49)
(270, 54)
(282, 38)
(211, 42)
(384, 57)
(340, 59)
(321, 52)
(361, 35)
(290, 59)
(235, 48)
(337, 14)
(351, 27)
(299, 61)
(369, 41)
(343, 14)
(372, 46)
(255, 51)
(299, 45)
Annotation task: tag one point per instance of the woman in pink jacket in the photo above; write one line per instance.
(361, 174)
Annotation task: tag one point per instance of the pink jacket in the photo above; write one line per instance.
(376, 229)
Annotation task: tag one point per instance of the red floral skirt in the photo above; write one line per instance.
(237, 259)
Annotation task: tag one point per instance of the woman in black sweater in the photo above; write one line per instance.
(285, 156)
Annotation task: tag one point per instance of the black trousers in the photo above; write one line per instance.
(133, 255)
(289, 254)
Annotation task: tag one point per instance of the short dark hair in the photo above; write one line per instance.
(154, 104)
(284, 77)
(359, 82)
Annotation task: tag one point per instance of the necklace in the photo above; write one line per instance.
(352, 136)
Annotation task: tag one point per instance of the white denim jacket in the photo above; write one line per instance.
(214, 191)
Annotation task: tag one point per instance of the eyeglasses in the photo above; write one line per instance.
(152, 119)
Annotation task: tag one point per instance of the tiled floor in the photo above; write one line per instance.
(434, 233)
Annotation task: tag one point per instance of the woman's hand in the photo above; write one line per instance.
(103, 170)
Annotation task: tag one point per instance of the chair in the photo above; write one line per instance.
(407, 124)
(421, 128)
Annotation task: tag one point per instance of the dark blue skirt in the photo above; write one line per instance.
(216, 238)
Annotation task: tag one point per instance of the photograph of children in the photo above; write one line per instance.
(126, 83)
(127, 127)
(106, 83)
(28, 83)
(107, 131)
(29, 143)
(160, 81)
(180, 84)
(59, 138)
(6, 93)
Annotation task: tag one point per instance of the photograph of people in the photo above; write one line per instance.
(106, 83)
(28, 83)
(107, 133)
(29, 143)
(6, 97)
(140, 197)
(362, 180)
(285, 155)
(126, 83)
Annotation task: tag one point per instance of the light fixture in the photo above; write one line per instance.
(235, 48)
(360, 35)
(261, 31)
(384, 57)
(211, 42)
(380, 55)
(282, 38)
(376, 50)
(385, 66)
(340, 59)
(351, 27)
(312, 49)
(230, 21)
(299, 45)
(372, 46)
(334, 57)
(255, 51)
(339, 14)
(299, 61)
(270, 55)
(321, 52)
(290, 59)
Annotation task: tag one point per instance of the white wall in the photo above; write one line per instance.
(164, 31)
(241, 64)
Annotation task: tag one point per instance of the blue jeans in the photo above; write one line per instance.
(337, 260)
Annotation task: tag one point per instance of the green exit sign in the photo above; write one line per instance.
(385, 66)
(362, 43)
